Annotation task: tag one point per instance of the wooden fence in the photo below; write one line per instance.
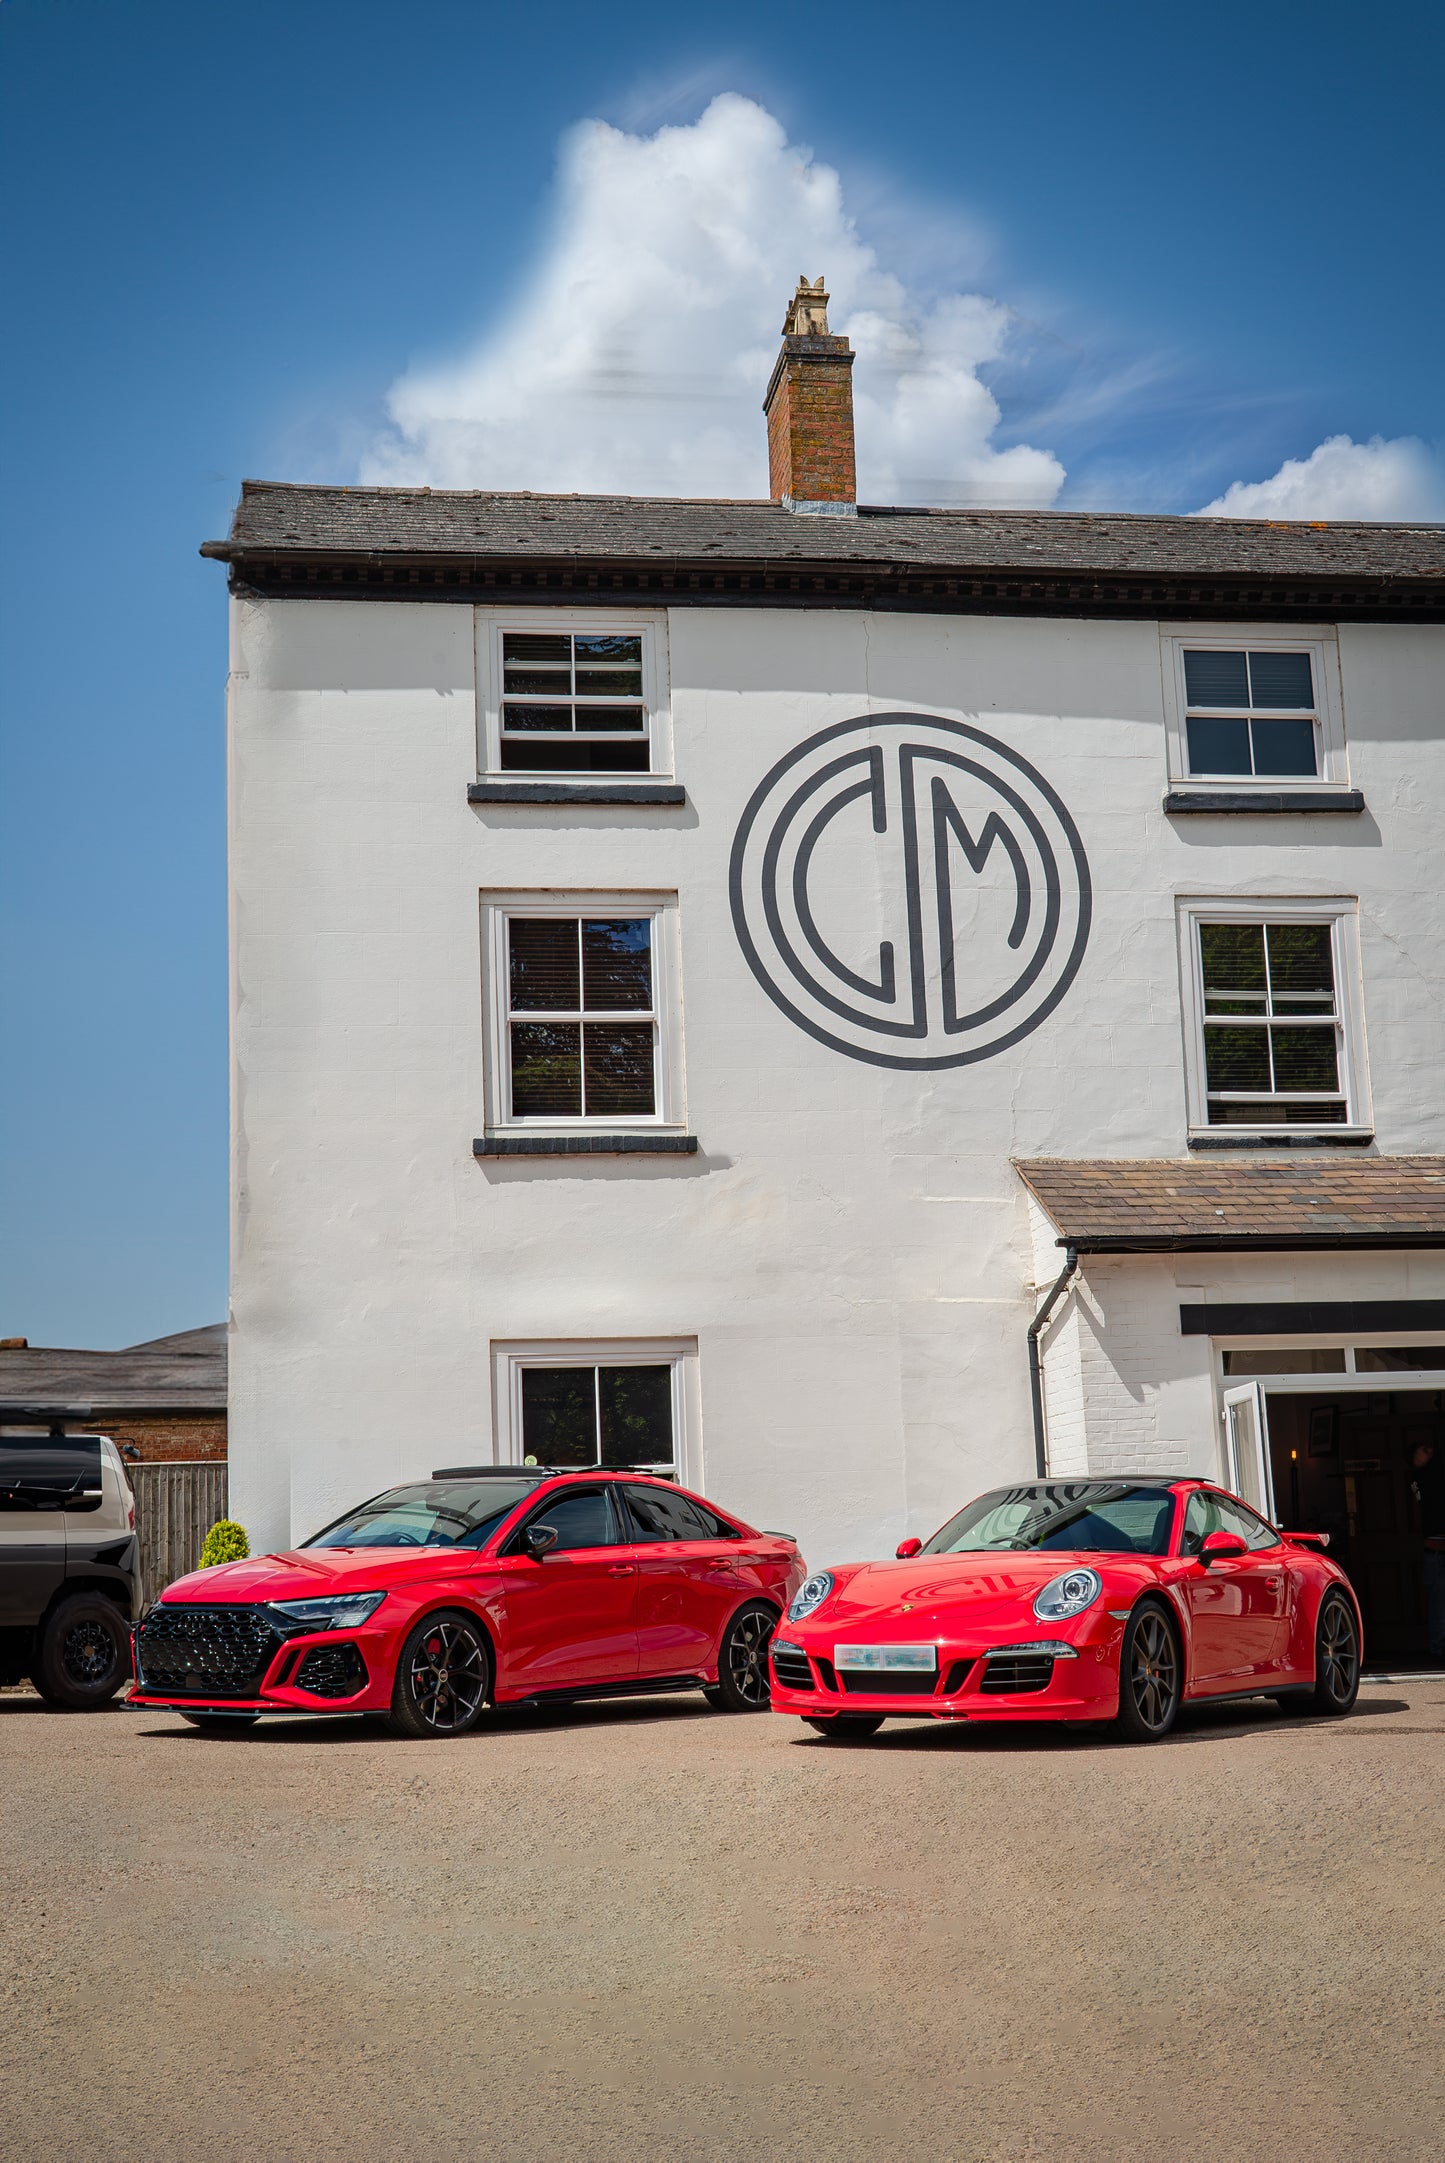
(175, 1507)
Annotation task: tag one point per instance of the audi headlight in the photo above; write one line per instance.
(342, 1611)
(1068, 1595)
(810, 1594)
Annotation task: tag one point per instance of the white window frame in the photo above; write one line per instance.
(661, 911)
(650, 625)
(1322, 646)
(511, 1358)
(1341, 912)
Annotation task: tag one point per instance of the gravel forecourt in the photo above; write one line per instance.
(651, 1931)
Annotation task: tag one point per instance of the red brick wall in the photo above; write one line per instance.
(166, 1436)
(810, 431)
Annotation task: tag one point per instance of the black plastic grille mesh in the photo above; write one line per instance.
(332, 1671)
(206, 1651)
(790, 1665)
(886, 1682)
(1019, 1673)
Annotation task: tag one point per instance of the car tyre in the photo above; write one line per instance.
(84, 1654)
(443, 1678)
(1151, 1675)
(1337, 1658)
(220, 1723)
(846, 1726)
(742, 1662)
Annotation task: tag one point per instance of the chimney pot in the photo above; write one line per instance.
(809, 408)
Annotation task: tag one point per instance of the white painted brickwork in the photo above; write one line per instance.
(850, 1249)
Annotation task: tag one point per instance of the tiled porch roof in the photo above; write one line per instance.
(1143, 1206)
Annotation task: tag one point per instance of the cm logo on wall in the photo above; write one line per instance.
(910, 891)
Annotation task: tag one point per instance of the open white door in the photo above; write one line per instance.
(1246, 1443)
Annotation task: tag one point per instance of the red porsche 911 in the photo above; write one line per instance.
(1090, 1600)
(475, 1588)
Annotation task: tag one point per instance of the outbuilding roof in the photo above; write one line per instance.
(386, 541)
(183, 1373)
(1142, 1206)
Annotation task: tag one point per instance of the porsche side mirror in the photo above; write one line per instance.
(905, 1548)
(1221, 1547)
(539, 1540)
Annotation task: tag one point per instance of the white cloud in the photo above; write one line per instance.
(1388, 479)
(637, 358)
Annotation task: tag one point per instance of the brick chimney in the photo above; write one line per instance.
(810, 412)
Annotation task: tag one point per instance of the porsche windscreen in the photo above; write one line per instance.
(436, 1513)
(1085, 1517)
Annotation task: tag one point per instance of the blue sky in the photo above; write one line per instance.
(1141, 254)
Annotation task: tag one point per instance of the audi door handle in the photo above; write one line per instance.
(620, 1569)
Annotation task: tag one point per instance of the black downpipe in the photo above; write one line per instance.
(1036, 1372)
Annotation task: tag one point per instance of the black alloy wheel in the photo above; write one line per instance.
(1337, 1657)
(1150, 1676)
(84, 1653)
(443, 1678)
(846, 1726)
(742, 1662)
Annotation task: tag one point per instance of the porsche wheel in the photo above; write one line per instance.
(846, 1726)
(1337, 1658)
(1151, 1676)
(443, 1678)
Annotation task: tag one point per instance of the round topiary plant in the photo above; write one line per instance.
(225, 1542)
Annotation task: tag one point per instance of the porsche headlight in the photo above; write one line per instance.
(810, 1594)
(1068, 1595)
(342, 1611)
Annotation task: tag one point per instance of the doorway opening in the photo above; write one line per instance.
(1343, 1464)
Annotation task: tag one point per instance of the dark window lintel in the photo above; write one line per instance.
(1312, 1318)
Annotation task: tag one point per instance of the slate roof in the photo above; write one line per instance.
(1139, 1206)
(278, 518)
(183, 1373)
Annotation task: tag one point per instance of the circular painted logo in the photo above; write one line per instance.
(910, 891)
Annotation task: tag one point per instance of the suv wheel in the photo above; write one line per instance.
(84, 1653)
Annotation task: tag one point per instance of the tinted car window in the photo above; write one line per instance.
(436, 1513)
(1208, 1512)
(56, 1474)
(661, 1514)
(716, 1528)
(579, 1520)
(1083, 1517)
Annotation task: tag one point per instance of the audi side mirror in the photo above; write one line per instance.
(539, 1540)
(1221, 1547)
(906, 1548)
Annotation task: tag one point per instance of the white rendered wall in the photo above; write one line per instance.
(851, 1249)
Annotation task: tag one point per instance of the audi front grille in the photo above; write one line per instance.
(206, 1651)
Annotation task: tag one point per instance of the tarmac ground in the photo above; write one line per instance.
(647, 1930)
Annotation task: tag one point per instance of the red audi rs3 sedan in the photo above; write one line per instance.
(1090, 1600)
(478, 1587)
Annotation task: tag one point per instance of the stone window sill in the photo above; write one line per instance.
(1231, 802)
(585, 1145)
(576, 792)
(1281, 1138)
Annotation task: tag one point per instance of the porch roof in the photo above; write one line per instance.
(1160, 1206)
